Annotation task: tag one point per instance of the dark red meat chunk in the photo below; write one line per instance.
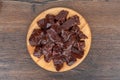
(70, 22)
(58, 63)
(56, 27)
(61, 17)
(42, 23)
(48, 56)
(82, 35)
(44, 40)
(75, 29)
(77, 53)
(76, 18)
(53, 36)
(65, 35)
(50, 18)
(70, 60)
(47, 51)
(47, 22)
(38, 52)
(35, 37)
(57, 57)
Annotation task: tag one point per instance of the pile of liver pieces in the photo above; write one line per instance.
(59, 39)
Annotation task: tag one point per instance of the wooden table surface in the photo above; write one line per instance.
(103, 61)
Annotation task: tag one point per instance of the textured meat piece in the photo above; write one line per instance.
(48, 56)
(76, 18)
(70, 42)
(38, 52)
(77, 53)
(35, 37)
(57, 50)
(58, 63)
(47, 51)
(75, 29)
(53, 36)
(50, 18)
(70, 22)
(42, 23)
(82, 35)
(68, 58)
(57, 57)
(78, 49)
(46, 23)
(44, 40)
(61, 17)
(56, 27)
(65, 35)
(79, 44)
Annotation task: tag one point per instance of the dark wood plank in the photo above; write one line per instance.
(49, 1)
(102, 63)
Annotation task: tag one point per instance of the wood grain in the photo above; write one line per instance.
(102, 63)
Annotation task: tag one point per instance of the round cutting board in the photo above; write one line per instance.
(84, 27)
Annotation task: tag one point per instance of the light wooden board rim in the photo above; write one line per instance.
(83, 26)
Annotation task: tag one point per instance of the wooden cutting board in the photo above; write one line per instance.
(84, 27)
(102, 62)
